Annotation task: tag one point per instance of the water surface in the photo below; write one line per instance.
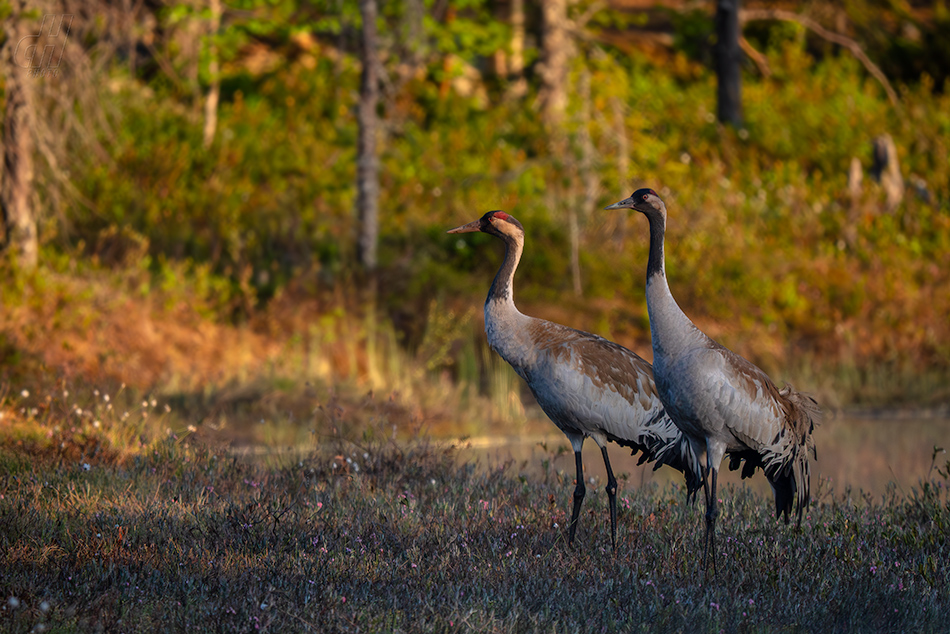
(866, 453)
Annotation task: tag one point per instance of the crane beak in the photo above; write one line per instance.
(626, 203)
(475, 225)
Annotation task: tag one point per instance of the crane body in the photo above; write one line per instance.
(587, 385)
(722, 403)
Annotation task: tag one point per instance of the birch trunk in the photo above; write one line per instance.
(19, 216)
(367, 167)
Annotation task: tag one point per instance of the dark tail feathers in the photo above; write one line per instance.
(790, 480)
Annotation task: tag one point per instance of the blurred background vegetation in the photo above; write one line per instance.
(192, 180)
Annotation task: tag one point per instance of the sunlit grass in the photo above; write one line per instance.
(298, 369)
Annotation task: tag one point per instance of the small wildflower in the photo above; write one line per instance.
(13, 602)
(714, 605)
(24, 394)
(86, 467)
(105, 397)
(96, 424)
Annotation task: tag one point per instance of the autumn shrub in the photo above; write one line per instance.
(766, 249)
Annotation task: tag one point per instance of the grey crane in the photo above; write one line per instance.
(587, 385)
(720, 401)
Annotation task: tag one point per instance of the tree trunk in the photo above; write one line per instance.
(413, 33)
(19, 217)
(623, 167)
(887, 170)
(588, 177)
(728, 59)
(501, 55)
(367, 166)
(555, 55)
(214, 92)
(517, 84)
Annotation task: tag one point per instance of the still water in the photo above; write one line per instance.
(866, 453)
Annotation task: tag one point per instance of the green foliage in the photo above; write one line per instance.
(761, 224)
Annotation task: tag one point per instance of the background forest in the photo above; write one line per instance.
(238, 349)
(190, 173)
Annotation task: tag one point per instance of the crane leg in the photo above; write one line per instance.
(712, 511)
(579, 492)
(612, 497)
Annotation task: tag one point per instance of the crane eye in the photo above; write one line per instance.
(645, 196)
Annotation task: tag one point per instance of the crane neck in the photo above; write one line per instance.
(656, 265)
(505, 325)
(671, 330)
(502, 288)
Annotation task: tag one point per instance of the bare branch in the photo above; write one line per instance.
(831, 36)
(758, 58)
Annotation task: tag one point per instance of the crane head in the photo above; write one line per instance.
(643, 200)
(493, 222)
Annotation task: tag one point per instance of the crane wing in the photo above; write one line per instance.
(598, 387)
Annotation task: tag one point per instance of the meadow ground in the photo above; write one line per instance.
(378, 535)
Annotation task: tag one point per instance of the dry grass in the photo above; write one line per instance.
(304, 360)
(386, 536)
(127, 509)
(124, 505)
